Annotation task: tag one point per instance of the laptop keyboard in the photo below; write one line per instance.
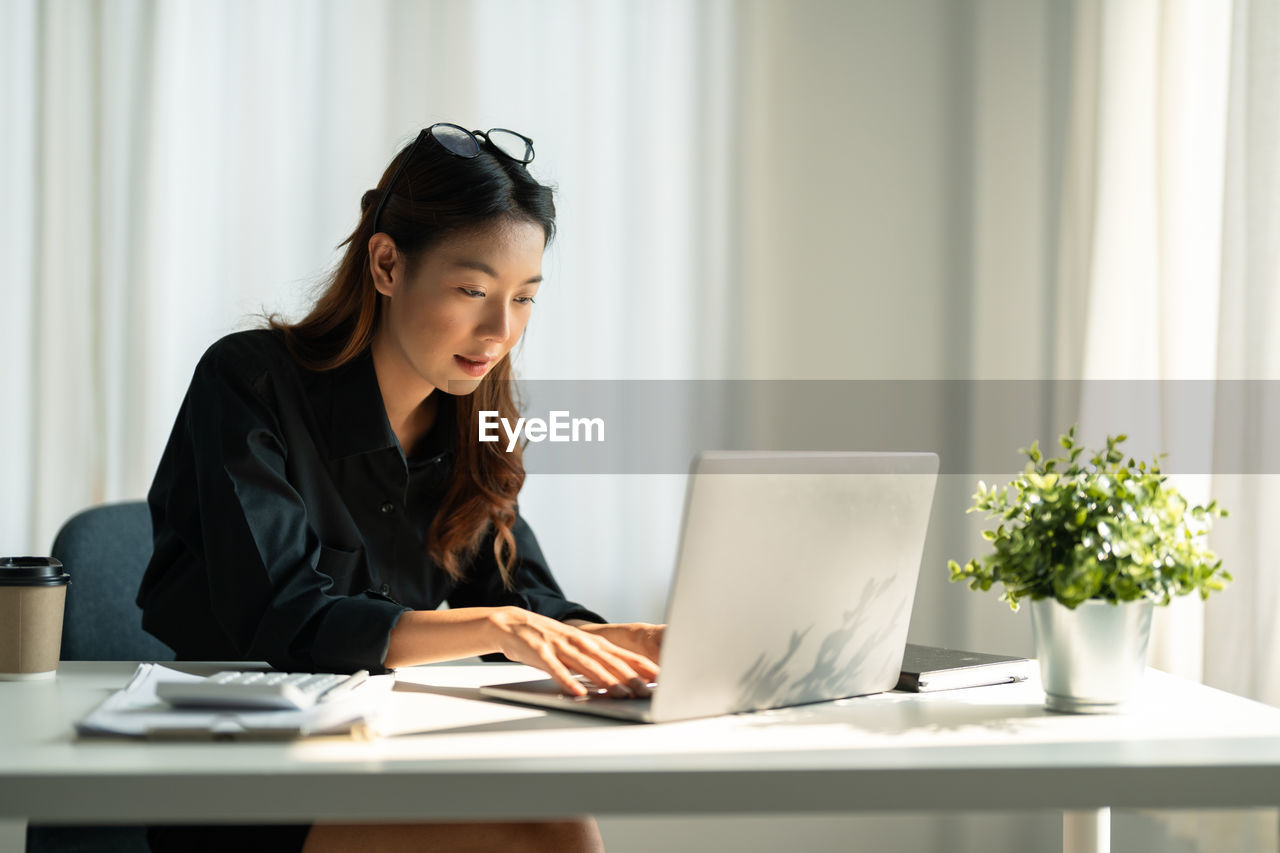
(596, 693)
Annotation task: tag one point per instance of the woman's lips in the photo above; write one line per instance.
(471, 368)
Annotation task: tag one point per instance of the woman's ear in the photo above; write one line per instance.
(383, 257)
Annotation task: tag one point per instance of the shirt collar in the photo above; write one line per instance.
(354, 413)
(357, 418)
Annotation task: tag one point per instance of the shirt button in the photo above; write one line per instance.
(386, 589)
(387, 508)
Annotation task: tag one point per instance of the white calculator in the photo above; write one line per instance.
(260, 691)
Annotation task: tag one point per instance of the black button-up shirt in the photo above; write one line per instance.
(290, 527)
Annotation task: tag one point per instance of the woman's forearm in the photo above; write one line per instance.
(427, 636)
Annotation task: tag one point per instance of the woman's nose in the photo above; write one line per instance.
(496, 323)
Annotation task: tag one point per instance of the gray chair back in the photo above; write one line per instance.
(105, 550)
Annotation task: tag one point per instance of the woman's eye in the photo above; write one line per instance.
(523, 300)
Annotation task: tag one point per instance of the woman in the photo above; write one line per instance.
(323, 490)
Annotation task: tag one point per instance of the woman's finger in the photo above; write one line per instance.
(641, 664)
(635, 676)
(630, 670)
(553, 666)
(615, 680)
(640, 638)
(634, 672)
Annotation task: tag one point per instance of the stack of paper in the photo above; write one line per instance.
(136, 711)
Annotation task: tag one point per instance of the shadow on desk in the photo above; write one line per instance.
(902, 715)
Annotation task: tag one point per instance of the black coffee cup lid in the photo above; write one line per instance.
(32, 571)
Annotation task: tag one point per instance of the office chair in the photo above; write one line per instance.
(105, 550)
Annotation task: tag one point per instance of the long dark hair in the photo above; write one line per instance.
(436, 194)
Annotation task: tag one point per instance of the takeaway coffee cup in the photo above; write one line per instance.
(33, 591)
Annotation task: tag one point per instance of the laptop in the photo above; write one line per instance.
(795, 576)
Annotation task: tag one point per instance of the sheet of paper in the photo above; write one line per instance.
(136, 711)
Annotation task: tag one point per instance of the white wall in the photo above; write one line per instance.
(897, 220)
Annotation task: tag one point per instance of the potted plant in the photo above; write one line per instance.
(1093, 546)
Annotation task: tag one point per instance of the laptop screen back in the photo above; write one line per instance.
(795, 578)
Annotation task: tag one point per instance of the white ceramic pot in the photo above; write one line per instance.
(1091, 658)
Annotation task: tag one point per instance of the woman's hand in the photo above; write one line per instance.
(562, 650)
(640, 637)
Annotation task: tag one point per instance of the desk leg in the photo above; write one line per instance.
(13, 836)
(1086, 831)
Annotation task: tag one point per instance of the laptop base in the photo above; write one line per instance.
(547, 693)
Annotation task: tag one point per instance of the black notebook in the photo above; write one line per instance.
(929, 668)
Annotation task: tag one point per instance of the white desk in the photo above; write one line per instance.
(983, 749)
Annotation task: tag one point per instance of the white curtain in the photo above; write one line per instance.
(1182, 213)
(1242, 648)
(1159, 114)
(1183, 283)
(173, 169)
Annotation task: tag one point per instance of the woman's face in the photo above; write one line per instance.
(464, 307)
